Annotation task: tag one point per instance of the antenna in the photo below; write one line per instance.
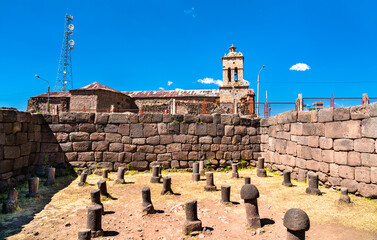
(64, 77)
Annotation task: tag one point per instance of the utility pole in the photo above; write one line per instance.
(48, 92)
(258, 91)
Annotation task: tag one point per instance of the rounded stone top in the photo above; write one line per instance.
(249, 191)
(296, 219)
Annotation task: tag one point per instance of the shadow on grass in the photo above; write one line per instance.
(12, 223)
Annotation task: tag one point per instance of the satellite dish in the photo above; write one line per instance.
(70, 32)
(71, 48)
(71, 42)
(71, 27)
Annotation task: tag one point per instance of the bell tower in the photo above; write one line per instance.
(234, 86)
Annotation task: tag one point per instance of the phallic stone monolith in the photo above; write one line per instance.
(147, 202)
(297, 223)
(235, 170)
(250, 194)
(210, 186)
(196, 177)
(287, 178)
(192, 222)
(94, 220)
(83, 177)
(261, 172)
(105, 173)
(202, 171)
(11, 203)
(225, 194)
(33, 187)
(195, 171)
(247, 180)
(313, 184)
(166, 186)
(50, 176)
(103, 188)
(344, 195)
(84, 234)
(156, 177)
(95, 197)
(120, 176)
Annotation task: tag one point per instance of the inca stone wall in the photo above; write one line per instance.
(337, 143)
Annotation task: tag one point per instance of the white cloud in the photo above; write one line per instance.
(190, 12)
(170, 83)
(210, 81)
(300, 67)
(178, 89)
(161, 88)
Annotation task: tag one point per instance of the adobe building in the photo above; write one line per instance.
(234, 96)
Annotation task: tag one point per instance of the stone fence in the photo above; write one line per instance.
(337, 143)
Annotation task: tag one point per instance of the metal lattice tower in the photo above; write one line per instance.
(64, 78)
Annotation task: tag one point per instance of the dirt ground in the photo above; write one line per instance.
(63, 214)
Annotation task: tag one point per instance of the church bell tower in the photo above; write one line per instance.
(234, 86)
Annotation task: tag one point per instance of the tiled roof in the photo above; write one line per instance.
(55, 94)
(173, 93)
(97, 86)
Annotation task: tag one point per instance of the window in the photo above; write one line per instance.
(236, 75)
(229, 75)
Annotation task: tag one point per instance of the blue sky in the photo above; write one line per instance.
(144, 45)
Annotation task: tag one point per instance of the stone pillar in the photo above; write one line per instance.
(287, 178)
(192, 222)
(195, 172)
(235, 170)
(313, 184)
(202, 171)
(95, 197)
(83, 177)
(297, 223)
(365, 100)
(103, 188)
(120, 176)
(33, 187)
(210, 186)
(147, 202)
(225, 194)
(300, 103)
(84, 234)
(105, 173)
(155, 174)
(250, 194)
(247, 180)
(94, 220)
(261, 172)
(11, 203)
(50, 176)
(344, 195)
(166, 186)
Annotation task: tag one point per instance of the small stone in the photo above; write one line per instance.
(67, 224)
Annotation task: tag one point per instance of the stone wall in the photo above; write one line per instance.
(337, 143)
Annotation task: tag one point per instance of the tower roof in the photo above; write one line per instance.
(232, 48)
(97, 86)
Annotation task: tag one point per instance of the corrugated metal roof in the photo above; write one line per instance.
(97, 86)
(173, 93)
(55, 94)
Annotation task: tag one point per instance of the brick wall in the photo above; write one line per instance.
(339, 144)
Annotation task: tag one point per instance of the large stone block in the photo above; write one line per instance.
(138, 156)
(111, 128)
(360, 112)
(116, 147)
(313, 141)
(164, 157)
(162, 128)
(201, 129)
(136, 130)
(49, 147)
(179, 138)
(66, 147)
(124, 129)
(145, 148)
(139, 165)
(369, 128)
(174, 147)
(373, 174)
(350, 184)
(206, 118)
(155, 140)
(354, 159)
(180, 155)
(312, 165)
(287, 117)
(325, 143)
(303, 116)
(341, 158)
(362, 174)
(67, 117)
(297, 128)
(369, 160)
(189, 118)
(113, 137)
(183, 128)
(166, 139)
(317, 154)
(226, 119)
(205, 140)
(101, 118)
(328, 156)
(157, 117)
(342, 114)
(145, 117)
(85, 156)
(82, 146)
(100, 146)
(334, 170)
(346, 172)
(343, 144)
(79, 136)
(212, 129)
(173, 128)
(366, 145)
(119, 118)
(326, 115)
(150, 129)
(347, 129)
(367, 190)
